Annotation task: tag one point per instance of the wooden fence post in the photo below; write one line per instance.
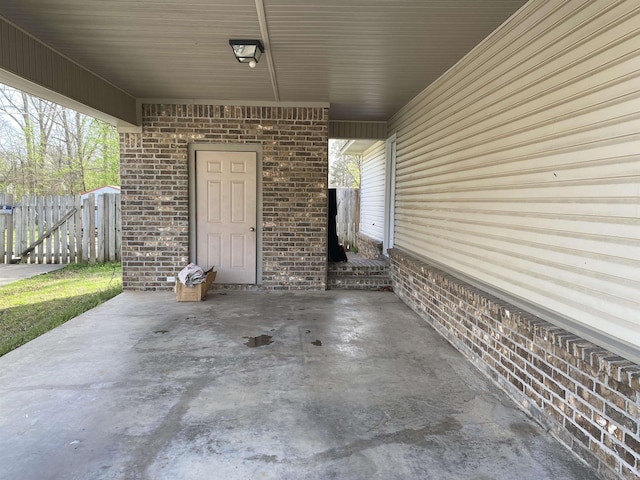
(348, 216)
(85, 230)
(6, 229)
(118, 231)
(71, 231)
(101, 228)
(10, 201)
(78, 219)
(92, 228)
(30, 227)
(3, 230)
(40, 217)
(18, 225)
(110, 222)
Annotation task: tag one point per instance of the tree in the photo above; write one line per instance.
(344, 170)
(92, 156)
(47, 149)
(32, 121)
(106, 169)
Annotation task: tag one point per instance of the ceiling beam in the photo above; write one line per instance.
(264, 32)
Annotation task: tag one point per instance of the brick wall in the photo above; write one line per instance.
(586, 396)
(367, 246)
(155, 197)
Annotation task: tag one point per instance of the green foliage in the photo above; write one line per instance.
(31, 307)
(47, 149)
(106, 170)
(344, 170)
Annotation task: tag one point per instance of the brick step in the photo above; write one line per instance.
(359, 274)
(358, 282)
(350, 270)
(359, 266)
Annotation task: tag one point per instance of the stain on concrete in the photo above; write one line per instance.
(317, 343)
(161, 331)
(264, 458)
(524, 430)
(408, 436)
(258, 341)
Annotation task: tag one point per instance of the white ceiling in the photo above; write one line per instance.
(367, 58)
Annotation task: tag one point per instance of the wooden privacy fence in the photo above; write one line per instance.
(348, 217)
(60, 229)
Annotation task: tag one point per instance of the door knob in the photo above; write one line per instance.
(252, 229)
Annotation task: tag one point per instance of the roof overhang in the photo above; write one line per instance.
(357, 147)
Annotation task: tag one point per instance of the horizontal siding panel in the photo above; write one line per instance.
(546, 246)
(583, 128)
(520, 167)
(500, 71)
(565, 296)
(592, 162)
(546, 107)
(372, 192)
(587, 231)
(610, 211)
(624, 187)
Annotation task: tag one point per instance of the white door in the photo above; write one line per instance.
(226, 214)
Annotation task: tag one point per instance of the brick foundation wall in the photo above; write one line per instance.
(368, 247)
(155, 196)
(586, 396)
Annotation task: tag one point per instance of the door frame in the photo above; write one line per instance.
(225, 147)
(389, 194)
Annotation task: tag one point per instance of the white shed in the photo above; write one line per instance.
(101, 190)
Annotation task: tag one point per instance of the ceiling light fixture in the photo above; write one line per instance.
(247, 51)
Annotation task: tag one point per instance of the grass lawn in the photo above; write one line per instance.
(31, 307)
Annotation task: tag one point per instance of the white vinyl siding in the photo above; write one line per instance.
(372, 188)
(520, 167)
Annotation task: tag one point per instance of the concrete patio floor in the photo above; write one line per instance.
(354, 386)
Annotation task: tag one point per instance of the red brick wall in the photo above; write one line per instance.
(588, 397)
(155, 197)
